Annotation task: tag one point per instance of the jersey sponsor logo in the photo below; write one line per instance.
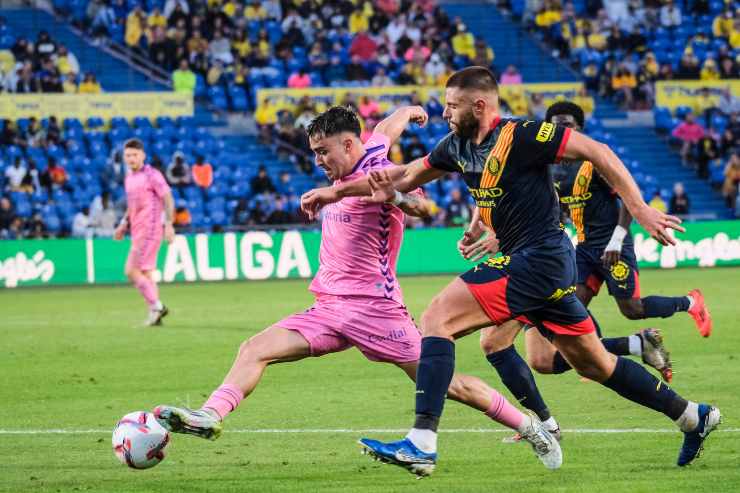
(619, 271)
(485, 197)
(560, 293)
(498, 262)
(546, 132)
(339, 217)
(576, 199)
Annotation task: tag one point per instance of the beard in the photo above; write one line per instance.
(467, 127)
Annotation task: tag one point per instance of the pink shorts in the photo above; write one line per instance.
(382, 329)
(143, 253)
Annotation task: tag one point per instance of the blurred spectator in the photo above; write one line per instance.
(219, 49)
(114, 172)
(463, 43)
(81, 223)
(178, 171)
(135, 26)
(31, 181)
(396, 154)
(66, 62)
(266, 113)
(202, 173)
(457, 210)
(171, 5)
(103, 215)
(679, 200)
(414, 150)
(89, 85)
(356, 70)
(657, 202)
(364, 47)
(14, 174)
(285, 186)
(730, 186)
(55, 176)
(709, 70)
(722, 26)
(336, 70)
(368, 107)
(688, 67)
(483, 55)
(537, 107)
(182, 220)
(279, 214)
(707, 151)
(670, 15)
(511, 76)
(104, 18)
(435, 70)
(688, 132)
(381, 78)
(262, 183)
(299, 79)
(624, 83)
(53, 132)
(69, 84)
(7, 216)
(241, 213)
(183, 79)
(36, 227)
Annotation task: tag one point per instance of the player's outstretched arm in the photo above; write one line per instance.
(405, 179)
(394, 125)
(580, 146)
(169, 217)
(413, 204)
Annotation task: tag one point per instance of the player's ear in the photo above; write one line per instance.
(479, 106)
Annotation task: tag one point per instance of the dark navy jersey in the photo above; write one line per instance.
(508, 175)
(591, 201)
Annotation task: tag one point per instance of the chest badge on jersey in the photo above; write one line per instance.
(498, 262)
(493, 165)
(619, 271)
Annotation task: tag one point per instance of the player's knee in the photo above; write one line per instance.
(541, 363)
(632, 309)
(435, 321)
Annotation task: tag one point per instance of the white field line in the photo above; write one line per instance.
(369, 430)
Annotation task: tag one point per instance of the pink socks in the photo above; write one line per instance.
(148, 290)
(503, 412)
(224, 399)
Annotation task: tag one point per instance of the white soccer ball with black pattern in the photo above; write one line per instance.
(139, 441)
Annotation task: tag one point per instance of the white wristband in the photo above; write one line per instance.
(617, 239)
(397, 199)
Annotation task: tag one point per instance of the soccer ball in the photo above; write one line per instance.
(139, 441)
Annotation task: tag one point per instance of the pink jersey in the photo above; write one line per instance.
(145, 190)
(360, 242)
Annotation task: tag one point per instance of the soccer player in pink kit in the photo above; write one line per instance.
(358, 298)
(147, 197)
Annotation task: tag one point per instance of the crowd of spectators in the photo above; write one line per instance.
(622, 47)
(41, 65)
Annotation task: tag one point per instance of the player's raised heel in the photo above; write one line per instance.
(693, 441)
(655, 354)
(544, 444)
(191, 422)
(700, 313)
(402, 453)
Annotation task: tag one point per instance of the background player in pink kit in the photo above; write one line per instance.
(358, 298)
(147, 197)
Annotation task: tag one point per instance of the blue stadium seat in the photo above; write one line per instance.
(217, 97)
(95, 122)
(238, 98)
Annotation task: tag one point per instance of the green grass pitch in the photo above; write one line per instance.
(74, 359)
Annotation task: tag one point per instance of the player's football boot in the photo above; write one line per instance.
(402, 453)
(655, 354)
(199, 422)
(693, 441)
(700, 313)
(156, 316)
(543, 443)
(517, 437)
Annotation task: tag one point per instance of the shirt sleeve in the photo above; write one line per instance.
(159, 184)
(540, 143)
(441, 156)
(378, 145)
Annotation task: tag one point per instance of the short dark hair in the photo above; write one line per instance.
(133, 144)
(566, 108)
(333, 121)
(475, 77)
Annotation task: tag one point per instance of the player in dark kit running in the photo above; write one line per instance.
(505, 164)
(605, 252)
